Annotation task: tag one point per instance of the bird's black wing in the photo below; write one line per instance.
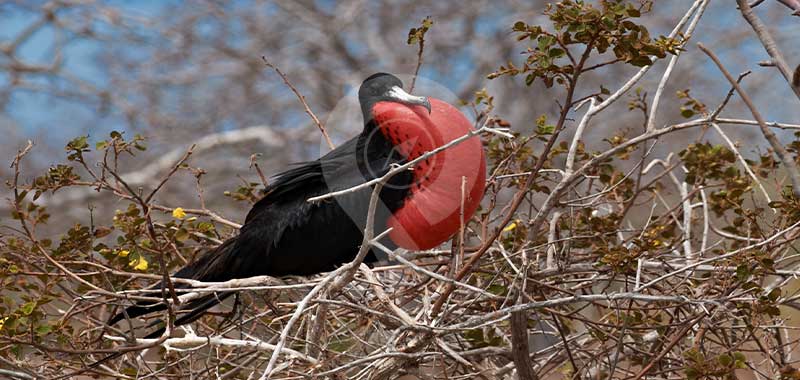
(306, 176)
(284, 234)
(316, 237)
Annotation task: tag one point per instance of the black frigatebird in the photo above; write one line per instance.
(284, 234)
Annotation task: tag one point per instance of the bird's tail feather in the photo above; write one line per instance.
(210, 267)
(190, 312)
(195, 309)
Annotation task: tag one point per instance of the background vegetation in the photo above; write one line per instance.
(640, 219)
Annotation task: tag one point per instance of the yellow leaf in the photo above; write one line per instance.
(123, 253)
(178, 213)
(510, 227)
(3, 322)
(140, 264)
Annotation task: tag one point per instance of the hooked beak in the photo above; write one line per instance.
(398, 94)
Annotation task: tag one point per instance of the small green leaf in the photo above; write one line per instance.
(182, 234)
(497, 289)
(545, 129)
(44, 329)
(556, 53)
(28, 307)
(742, 272)
(529, 79)
(545, 42)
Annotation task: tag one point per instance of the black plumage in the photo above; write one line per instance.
(284, 234)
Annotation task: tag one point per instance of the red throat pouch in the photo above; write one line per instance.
(432, 212)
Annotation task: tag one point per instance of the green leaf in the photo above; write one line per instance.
(78, 143)
(742, 272)
(416, 35)
(725, 360)
(182, 234)
(28, 307)
(205, 227)
(340, 345)
(427, 23)
(545, 62)
(529, 79)
(497, 289)
(545, 129)
(412, 36)
(556, 53)
(609, 23)
(44, 329)
(545, 42)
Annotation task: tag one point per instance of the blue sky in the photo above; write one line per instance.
(58, 119)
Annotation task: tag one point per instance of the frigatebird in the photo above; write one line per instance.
(285, 234)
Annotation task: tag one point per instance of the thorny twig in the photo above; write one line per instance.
(302, 100)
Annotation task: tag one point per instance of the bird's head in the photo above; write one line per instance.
(386, 87)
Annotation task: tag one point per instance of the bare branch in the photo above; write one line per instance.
(303, 101)
(769, 43)
(786, 160)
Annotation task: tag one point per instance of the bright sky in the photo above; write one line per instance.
(56, 119)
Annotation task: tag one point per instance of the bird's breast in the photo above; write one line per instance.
(446, 186)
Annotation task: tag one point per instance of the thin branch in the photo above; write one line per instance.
(303, 101)
(786, 160)
(720, 257)
(194, 342)
(769, 43)
(651, 120)
(742, 160)
(406, 166)
(338, 278)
